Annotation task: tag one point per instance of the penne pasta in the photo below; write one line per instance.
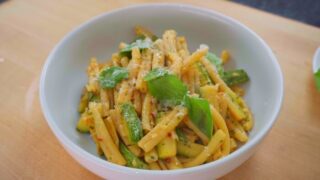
(213, 145)
(167, 124)
(195, 57)
(146, 114)
(109, 148)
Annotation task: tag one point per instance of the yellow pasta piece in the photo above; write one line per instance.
(158, 54)
(93, 134)
(173, 163)
(209, 92)
(248, 122)
(167, 147)
(218, 154)
(111, 98)
(189, 149)
(93, 68)
(120, 126)
(83, 102)
(125, 93)
(162, 165)
(235, 110)
(105, 102)
(191, 80)
(95, 140)
(137, 102)
(169, 41)
(213, 145)
(112, 130)
(154, 166)
(196, 79)
(93, 71)
(233, 144)
(124, 61)
(225, 56)
(185, 79)
(221, 124)
(111, 151)
(116, 59)
(191, 135)
(151, 156)
(176, 63)
(195, 57)
(182, 47)
(135, 150)
(160, 131)
(184, 159)
(237, 129)
(145, 68)
(146, 114)
(238, 90)
(139, 30)
(134, 64)
(223, 105)
(202, 136)
(122, 45)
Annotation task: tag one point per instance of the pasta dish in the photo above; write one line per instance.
(156, 105)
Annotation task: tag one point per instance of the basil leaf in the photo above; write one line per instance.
(167, 88)
(317, 78)
(110, 76)
(155, 73)
(132, 122)
(235, 77)
(200, 114)
(216, 61)
(139, 43)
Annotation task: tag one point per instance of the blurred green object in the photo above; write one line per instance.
(317, 78)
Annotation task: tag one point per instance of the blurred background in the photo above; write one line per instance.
(307, 11)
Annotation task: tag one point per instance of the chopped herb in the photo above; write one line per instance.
(110, 76)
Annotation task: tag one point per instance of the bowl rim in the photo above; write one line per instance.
(71, 146)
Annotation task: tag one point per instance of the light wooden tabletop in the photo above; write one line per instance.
(30, 29)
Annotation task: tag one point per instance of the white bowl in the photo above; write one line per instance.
(63, 78)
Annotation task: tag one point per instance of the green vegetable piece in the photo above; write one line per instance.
(93, 98)
(82, 126)
(155, 73)
(317, 78)
(137, 37)
(216, 61)
(181, 136)
(204, 76)
(132, 121)
(132, 160)
(234, 77)
(140, 43)
(110, 76)
(200, 114)
(166, 88)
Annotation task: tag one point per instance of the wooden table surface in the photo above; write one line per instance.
(30, 29)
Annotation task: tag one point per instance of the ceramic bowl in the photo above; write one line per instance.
(64, 75)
